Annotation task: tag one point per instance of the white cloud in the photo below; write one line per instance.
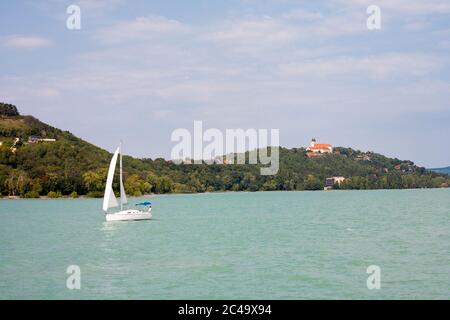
(142, 28)
(98, 4)
(380, 67)
(302, 14)
(286, 28)
(18, 41)
(403, 7)
(259, 29)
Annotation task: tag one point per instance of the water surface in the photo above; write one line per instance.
(266, 245)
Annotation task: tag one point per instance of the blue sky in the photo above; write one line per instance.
(137, 70)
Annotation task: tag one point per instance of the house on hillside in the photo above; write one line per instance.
(317, 149)
(363, 157)
(33, 139)
(36, 139)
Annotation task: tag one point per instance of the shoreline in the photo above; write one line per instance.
(152, 195)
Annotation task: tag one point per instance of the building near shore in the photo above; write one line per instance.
(331, 182)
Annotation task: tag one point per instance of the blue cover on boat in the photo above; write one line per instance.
(146, 203)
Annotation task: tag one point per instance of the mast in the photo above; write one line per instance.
(123, 195)
(121, 182)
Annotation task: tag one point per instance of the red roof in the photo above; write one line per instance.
(321, 146)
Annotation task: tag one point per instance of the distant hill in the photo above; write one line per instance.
(37, 159)
(445, 170)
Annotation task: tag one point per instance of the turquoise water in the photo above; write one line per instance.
(271, 245)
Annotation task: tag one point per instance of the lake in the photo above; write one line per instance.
(264, 245)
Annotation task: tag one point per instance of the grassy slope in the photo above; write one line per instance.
(68, 148)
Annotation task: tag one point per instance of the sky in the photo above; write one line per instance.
(138, 70)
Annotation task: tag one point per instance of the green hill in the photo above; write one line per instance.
(71, 166)
(445, 170)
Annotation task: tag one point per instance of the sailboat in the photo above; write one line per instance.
(110, 200)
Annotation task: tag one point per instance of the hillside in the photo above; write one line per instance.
(71, 166)
(445, 170)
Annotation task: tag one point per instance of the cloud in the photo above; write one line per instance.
(286, 28)
(245, 71)
(403, 7)
(258, 29)
(264, 35)
(417, 25)
(380, 67)
(140, 29)
(98, 4)
(27, 42)
(302, 14)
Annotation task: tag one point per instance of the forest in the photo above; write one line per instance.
(72, 167)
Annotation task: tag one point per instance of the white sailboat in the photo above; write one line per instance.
(110, 201)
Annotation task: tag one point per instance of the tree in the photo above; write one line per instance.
(8, 110)
(94, 181)
(16, 183)
(312, 183)
(180, 188)
(53, 194)
(269, 185)
(134, 185)
(163, 185)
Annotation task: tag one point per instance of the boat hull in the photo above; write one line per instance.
(129, 215)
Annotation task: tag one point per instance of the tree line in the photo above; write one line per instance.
(71, 167)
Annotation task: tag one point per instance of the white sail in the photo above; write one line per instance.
(123, 195)
(109, 200)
